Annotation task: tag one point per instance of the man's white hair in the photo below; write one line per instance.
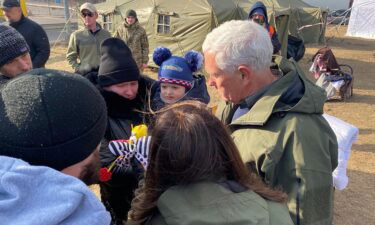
(239, 42)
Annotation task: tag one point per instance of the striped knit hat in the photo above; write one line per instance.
(12, 44)
(177, 70)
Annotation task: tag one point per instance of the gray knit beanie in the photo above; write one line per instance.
(12, 44)
(51, 118)
(131, 12)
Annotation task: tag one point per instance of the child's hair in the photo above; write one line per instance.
(190, 145)
(177, 70)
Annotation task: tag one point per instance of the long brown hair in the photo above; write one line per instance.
(189, 145)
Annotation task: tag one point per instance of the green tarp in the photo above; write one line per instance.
(306, 22)
(182, 25)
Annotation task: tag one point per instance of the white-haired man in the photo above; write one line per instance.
(276, 123)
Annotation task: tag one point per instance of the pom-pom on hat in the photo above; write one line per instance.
(177, 70)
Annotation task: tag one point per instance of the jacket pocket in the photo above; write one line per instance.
(268, 167)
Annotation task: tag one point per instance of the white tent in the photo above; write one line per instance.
(362, 19)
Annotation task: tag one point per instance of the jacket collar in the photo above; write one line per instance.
(19, 22)
(264, 103)
(98, 28)
(273, 100)
(131, 26)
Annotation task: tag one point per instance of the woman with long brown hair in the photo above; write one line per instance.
(196, 176)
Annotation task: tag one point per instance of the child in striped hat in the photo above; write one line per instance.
(176, 79)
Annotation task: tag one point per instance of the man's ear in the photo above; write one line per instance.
(246, 72)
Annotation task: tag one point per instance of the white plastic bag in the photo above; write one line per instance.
(346, 135)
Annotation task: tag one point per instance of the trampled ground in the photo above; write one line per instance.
(356, 204)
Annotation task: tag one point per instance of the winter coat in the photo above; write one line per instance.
(40, 195)
(3, 80)
(197, 92)
(135, 38)
(212, 203)
(117, 193)
(83, 52)
(123, 113)
(271, 30)
(285, 138)
(36, 39)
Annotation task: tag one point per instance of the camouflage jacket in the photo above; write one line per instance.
(135, 37)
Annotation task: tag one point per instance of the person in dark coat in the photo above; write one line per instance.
(258, 14)
(177, 81)
(33, 33)
(126, 93)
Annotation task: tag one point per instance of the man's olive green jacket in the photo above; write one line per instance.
(285, 138)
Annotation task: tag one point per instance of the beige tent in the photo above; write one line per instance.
(306, 22)
(182, 25)
(179, 25)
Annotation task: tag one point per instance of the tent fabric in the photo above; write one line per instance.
(306, 22)
(362, 19)
(191, 20)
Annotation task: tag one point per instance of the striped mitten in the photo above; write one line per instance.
(124, 152)
(142, 149)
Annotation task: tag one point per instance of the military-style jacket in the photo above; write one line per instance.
(284, 137)
(136, 39)
(213, 204)
(83, 52)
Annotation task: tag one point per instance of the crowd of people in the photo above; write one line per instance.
(265, 155)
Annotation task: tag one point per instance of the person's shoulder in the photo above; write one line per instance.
(30, 21)
(189, 201)
(79, 31)
(31, 24)
(278, 213)
(105, 32)
(140, 28)
(121, 26)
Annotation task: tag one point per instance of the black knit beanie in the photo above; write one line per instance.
(131, 12)
(12, 44)
(51, 118)
(116, 63)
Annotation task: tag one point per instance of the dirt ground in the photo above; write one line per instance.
(356, 204)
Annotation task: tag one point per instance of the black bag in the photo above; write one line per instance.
(296, 48)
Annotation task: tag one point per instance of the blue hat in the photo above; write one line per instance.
(177, 70)
(258, 11)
